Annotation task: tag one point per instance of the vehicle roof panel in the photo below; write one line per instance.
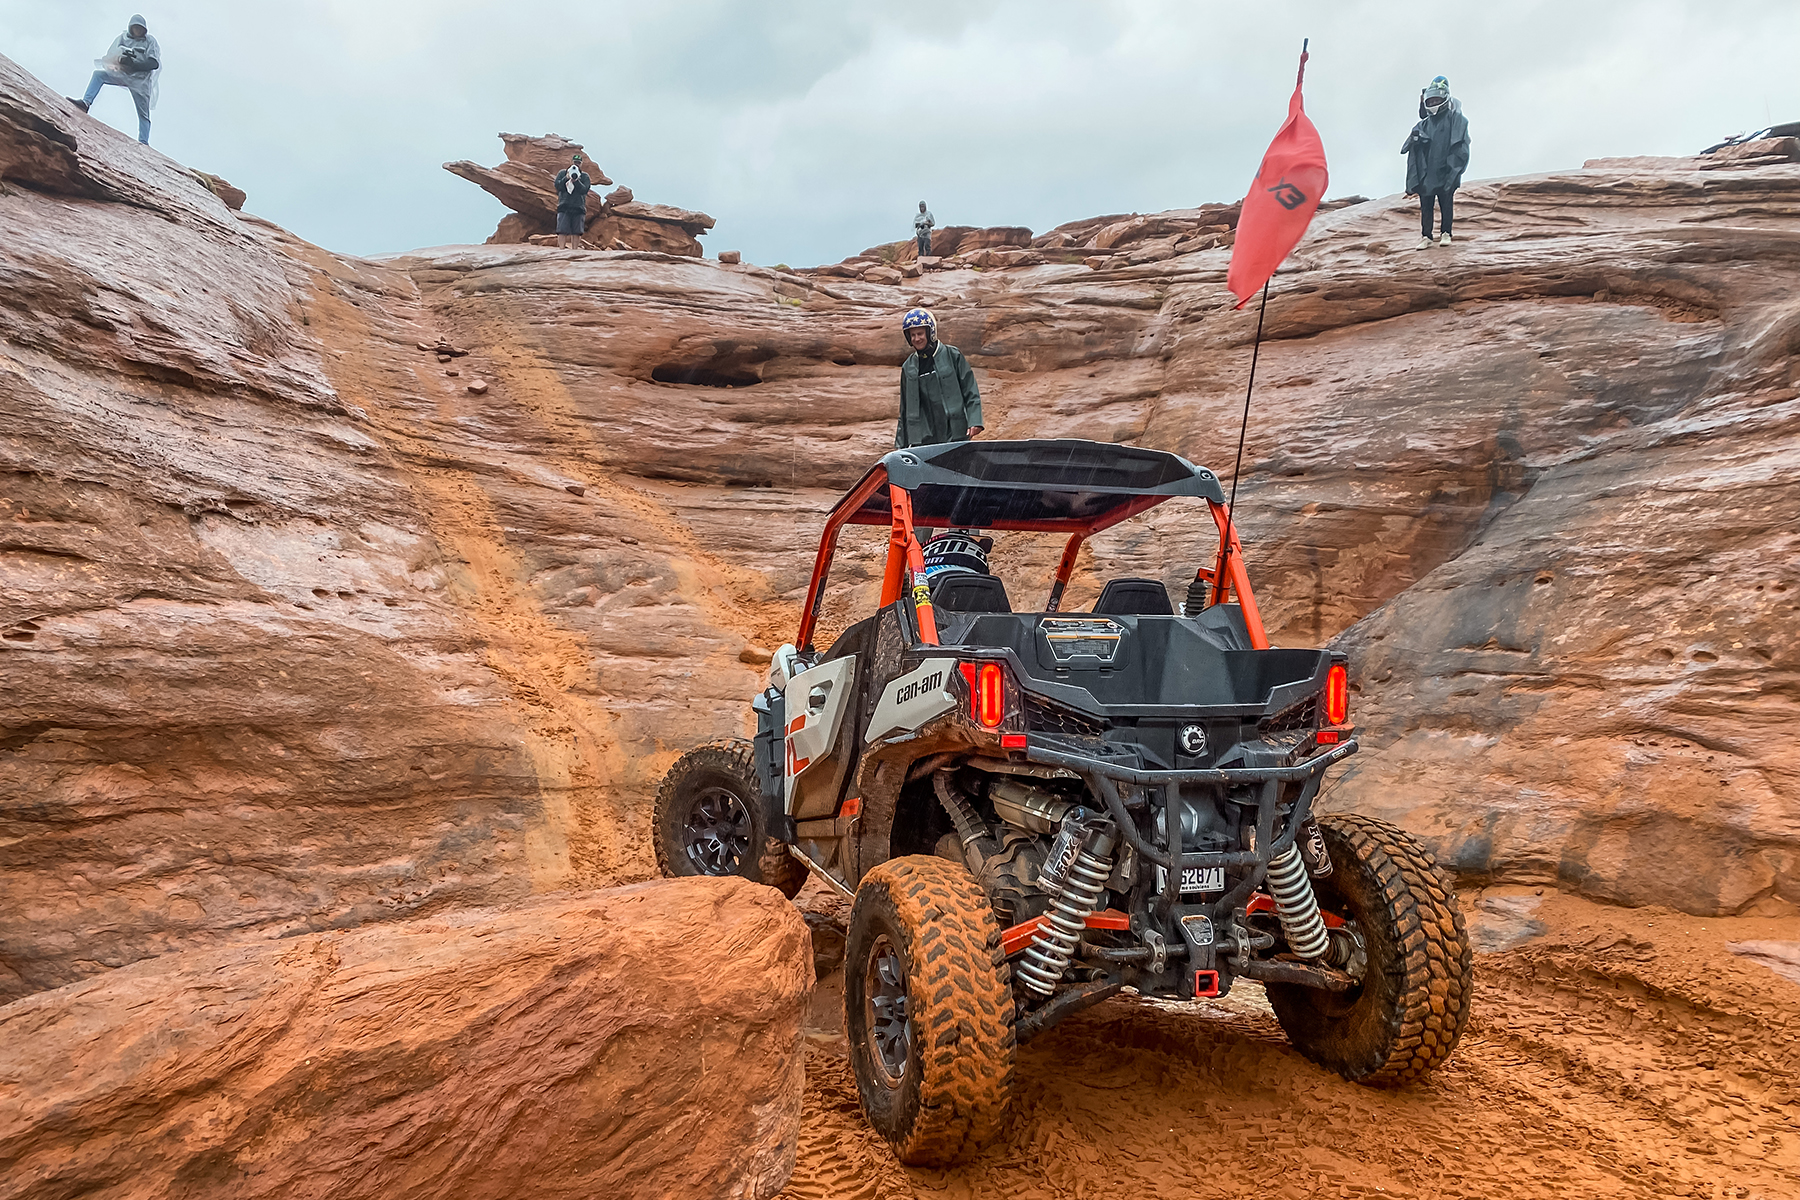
(1051, 485)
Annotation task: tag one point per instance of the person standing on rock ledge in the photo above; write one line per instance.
(572, 184)
(922, 227)
(939, 401)
(1437, 152)
(133, 62)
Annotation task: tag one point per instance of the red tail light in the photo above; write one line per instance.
(987, 693)
(1337, 694)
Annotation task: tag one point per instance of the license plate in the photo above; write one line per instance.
(1202, 879)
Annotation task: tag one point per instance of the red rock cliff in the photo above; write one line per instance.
(299, 632)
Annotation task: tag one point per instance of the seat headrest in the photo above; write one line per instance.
(1134, 598)
(962, 591)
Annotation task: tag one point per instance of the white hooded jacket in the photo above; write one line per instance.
(147, 83)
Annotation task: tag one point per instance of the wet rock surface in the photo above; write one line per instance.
(572, 1046)
(297, 632)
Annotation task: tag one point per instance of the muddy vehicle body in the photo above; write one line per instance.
(1035, 810)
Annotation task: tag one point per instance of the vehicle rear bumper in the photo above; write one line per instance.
(1273, 834)
(1040, 750)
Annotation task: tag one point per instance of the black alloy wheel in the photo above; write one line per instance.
(710, 819)
(884, 996)
(716, 834)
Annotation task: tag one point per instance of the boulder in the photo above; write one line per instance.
(695, 223)
(526, 183)
(1122, 229)
(233, 197)
(731, 257)
(1764, 152)
(1643, 162)
(517, 229)
(947, 241)
(549, 154)
(1157, 250)
(886, 275)
(642, 1042)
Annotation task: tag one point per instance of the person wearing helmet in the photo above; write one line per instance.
(957, 552)
(133, 62)
(572, 186)
(939, 401)
(922, 227)
(1437, 151)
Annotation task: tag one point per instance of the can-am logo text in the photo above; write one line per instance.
(912, 691)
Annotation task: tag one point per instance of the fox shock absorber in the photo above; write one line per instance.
(1074, 876)
(1296, 905)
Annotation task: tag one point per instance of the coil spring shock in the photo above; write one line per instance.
(1296, 905)
(1044, 962)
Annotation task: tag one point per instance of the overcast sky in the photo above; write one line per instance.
(812, 128)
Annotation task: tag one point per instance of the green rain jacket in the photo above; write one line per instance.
(941, 406)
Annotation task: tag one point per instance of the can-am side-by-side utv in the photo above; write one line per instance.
(1037, 809)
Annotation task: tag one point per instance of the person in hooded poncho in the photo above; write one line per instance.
(922, 226)
(133, 62)
(939, 401)
(1437, 153)
(572, 186)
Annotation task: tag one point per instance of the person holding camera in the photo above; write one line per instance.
(572, 186)
(133, 62)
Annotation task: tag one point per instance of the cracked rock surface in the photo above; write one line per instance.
(298, 633)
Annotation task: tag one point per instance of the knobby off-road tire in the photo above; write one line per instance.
(710, 797)
(1414, 1001)
(922, 931)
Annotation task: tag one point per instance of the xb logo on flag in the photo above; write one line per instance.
(1287, 195)
(1273, 218)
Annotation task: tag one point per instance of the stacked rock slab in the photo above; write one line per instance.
(574, 1046)
(526, 183)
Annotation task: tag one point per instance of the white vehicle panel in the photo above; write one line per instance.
(912, 699)
(817, 699)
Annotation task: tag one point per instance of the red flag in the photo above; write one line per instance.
(1282, 200)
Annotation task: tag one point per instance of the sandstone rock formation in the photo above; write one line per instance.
(574, 1046)
(1124, 239)
(299, 633)
(526, 183)
(233, 197)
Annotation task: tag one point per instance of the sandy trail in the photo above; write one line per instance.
(1617, 1053)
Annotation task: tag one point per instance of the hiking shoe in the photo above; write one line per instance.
(1424, 244)
(81, 104)
(1445, 240)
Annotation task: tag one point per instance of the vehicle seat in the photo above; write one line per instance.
(962, 591)
(1134, 598)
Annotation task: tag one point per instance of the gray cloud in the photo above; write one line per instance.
(811, 128)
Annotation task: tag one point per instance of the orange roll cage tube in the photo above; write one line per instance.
(906, 558)
(903, 542)
(1065, 570)
(1230, 578)
(840, 516)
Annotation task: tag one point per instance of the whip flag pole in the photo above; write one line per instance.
(1280, 205)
